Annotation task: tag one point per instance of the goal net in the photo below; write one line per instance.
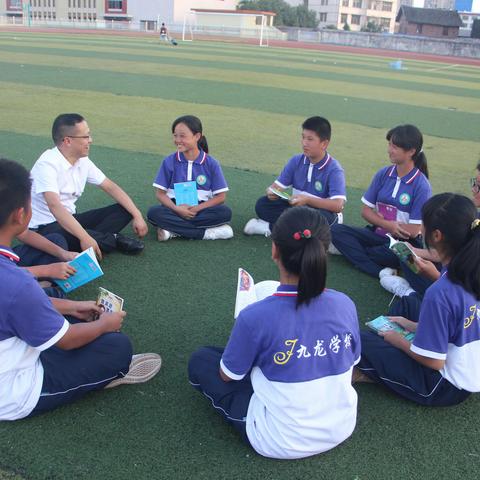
(244, 25)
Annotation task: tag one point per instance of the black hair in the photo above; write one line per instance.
(63, 124)
(454, 216)
(321, 126)
(408, 137)
(302, 236)
(15, 185)
(195, 126)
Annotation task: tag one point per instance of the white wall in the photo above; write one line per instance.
(183, 6)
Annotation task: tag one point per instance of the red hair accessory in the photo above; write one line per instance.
(305, 234)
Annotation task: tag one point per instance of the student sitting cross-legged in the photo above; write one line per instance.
(316, 178)
(48, 360)
(284, 379)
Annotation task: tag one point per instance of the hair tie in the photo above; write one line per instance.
(305, 234)
(475, 224)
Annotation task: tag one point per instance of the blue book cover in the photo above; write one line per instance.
(87, 269)
(383, 324)
(186, 193)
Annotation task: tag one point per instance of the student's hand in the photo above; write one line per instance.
(184, 212)
(67, 256)
(395, 228)
(88, 242)
(86, 310)
(271, 195)
(112, 322)
(139, 226)
(404, 323)
(395, 339)
(60, 270)
(194, 209)
(299, 200)
(427, 269)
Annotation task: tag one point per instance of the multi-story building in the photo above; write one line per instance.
(356, 13)
(138, 11)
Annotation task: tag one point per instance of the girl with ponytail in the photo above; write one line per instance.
(440, 366)
(284, 379)
(206, 216)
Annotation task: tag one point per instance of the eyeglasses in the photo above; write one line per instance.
(475, 185)
(79, 136)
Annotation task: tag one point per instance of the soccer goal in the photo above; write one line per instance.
(232, 24)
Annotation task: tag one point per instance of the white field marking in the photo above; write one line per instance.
(443, 68)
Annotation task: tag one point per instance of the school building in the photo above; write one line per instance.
(143, 12)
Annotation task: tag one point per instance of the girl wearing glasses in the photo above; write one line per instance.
(439, 366)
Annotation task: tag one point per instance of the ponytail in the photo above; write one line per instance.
(195, 126)
(409, 137)
(302, 236)
(455, 216)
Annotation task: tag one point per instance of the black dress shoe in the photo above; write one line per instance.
(129, 245)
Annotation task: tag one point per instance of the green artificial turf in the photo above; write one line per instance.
(179, 295)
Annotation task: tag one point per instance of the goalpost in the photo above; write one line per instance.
(246, 25)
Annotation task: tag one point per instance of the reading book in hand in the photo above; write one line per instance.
(387, 212)
(404, 252)
(108, 301)
(383, 324)
(280, 193)
(87, 269)
(248, 292)
(186, 193)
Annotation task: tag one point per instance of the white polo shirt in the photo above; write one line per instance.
(52, 172)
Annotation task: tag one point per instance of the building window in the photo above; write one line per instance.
(419, 28)
(14, 4)
(357, 3)
(385, 22)
(322, 17)
(345, 3)
(343, 18)
(324, 2)
(355, 20)
(115, 4)
(445, 31)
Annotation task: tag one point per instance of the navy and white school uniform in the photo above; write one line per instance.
(448, 329)
(292, 395)
(208, 175)
(367, 250)
(325, 179)
(36, 376)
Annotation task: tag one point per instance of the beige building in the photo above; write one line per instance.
(357, 13)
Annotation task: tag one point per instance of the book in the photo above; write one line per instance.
(388, 212)
(404, 252)
(280, 193)
(248, 292)
(87, 269)
(186, 193)
(383, 324)
(108, 301)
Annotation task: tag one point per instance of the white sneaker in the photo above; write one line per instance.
(333, 250)
(163, 235)
(143, 367)
(256, 226)
(223, 232)
(387, 272)
(396, 285)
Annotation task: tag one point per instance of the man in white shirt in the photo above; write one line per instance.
(59, 178)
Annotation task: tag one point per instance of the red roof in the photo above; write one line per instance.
(239, 12)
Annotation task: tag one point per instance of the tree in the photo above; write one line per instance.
(288, 16)
(475, 29)
(371, 27)
(346, 27)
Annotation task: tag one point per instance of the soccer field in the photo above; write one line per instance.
(179, 295)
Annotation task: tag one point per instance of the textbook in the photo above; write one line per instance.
(186, 193)
(108, 301)
(383, 324)
(388, 212)
(248, 292)
(280, 193)
(404, 252)
(87, 269)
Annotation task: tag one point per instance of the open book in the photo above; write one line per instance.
(108, 301)
(280, 193)
(383, 324)
(387, 212)
(87, 269)
(404, 252)
(248, 292)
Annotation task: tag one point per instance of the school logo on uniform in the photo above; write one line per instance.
(318, 186)
(404, 199)
(201, 179)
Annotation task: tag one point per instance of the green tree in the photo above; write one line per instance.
(371, 27)
(346, 27)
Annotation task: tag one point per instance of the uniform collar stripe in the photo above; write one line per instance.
(413, 177)
(307, 160)
(284, 294)
(204, 157)
(390, 173)
(7, 253)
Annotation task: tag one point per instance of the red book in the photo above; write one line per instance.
(388, 212)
